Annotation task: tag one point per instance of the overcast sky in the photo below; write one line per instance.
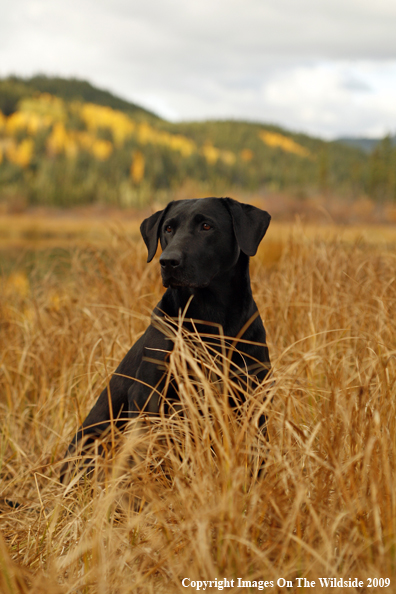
(326, 67)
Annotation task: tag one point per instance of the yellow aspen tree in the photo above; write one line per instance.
(137, 167)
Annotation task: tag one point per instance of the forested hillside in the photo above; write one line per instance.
(14, 88)
(64, 142)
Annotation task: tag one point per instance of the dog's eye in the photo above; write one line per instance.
(168, 229)
(206, 226)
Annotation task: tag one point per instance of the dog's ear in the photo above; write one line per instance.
(250, 224)
(150, 230)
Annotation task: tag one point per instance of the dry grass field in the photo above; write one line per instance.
(193, 505)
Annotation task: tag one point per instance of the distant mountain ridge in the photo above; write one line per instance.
(13, 88)
(365, 144)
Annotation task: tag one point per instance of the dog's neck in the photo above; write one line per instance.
(227, 299)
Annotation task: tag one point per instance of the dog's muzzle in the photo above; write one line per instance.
(171, 268)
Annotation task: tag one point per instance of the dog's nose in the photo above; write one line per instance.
(171, 259)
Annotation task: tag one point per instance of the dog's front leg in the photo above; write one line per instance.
(131, 387)
(147, 393)
(144, 395)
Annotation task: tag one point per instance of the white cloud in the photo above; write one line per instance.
(336, 98)
(325, 67)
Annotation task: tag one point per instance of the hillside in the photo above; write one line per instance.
(13, 89)
(65, 142)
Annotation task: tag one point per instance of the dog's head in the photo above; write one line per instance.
(202, 238)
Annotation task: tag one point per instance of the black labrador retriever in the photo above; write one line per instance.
(206, 244)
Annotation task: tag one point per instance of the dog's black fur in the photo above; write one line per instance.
(206, 247)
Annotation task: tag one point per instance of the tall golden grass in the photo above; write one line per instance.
(183, 497)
